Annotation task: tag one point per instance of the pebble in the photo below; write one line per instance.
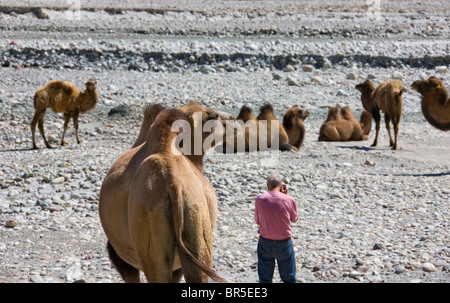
(11, 223)
(308, 68)
(58, 180)
(441, 69)
(428, 267)
(352, 76)
(399, 269)
(397, 75)
(289, 69)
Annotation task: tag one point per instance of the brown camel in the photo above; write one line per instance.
(435, 102)
(387, 97)
(293, 123)
(122, 195)
(62, 97)
(341, 125)
(266, 114)
(150, 114)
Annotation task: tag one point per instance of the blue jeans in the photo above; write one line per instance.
(283, 252)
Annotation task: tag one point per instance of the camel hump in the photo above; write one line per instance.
(153, 110)
(266, 108)
(67, 88)
(245, 110)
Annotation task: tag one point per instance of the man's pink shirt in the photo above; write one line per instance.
(274, 212)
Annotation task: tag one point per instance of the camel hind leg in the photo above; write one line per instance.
(75, 125)
(128, 273)
(33, 128)
(387, 121)
(66, 125)
(39, 119)
(154, 245)
(376, 116)
(397, 113)
(331, 133)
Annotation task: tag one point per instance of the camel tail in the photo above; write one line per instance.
(34, 101)
(176, 199)
(398, 104)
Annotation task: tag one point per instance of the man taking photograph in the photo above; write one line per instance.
(274, 212)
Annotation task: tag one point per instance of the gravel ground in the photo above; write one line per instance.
(367, 214)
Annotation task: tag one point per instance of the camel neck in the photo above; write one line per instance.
(197, 160)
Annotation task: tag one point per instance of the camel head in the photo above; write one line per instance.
(91, 84)
(432, 87)
(294, 112)
(365, 87)
(208, 120)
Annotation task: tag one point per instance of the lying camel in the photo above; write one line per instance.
(123, 225)
(250, 133)
(293, 123)
(435, 102)
(266, 114)
(62, 97)
(250, 128)
(341, 125)
(387, 97)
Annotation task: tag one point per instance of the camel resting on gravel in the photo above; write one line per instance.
(435, 102)
(293, 123)
(341, 125)
(62, 97)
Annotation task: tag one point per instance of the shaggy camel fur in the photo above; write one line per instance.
(435, 102)
(62, 97)
(249, 135)
(387, 97)
(121, 199)
(266, 114)
(293, 123)
(341, 125)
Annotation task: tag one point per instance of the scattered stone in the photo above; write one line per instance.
(316, 79)
(59, 180)
(441, 69)
(399, 269)
(289, 69)
(11, 223)
(326, 64)
(292, 81)
(352, 76)
(397, 75)
(276, 76)
(369, 162)
(308, 68)
(377, 246)
(36, 279)
(120, 110)
(428, 267)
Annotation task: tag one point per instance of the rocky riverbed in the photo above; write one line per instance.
(367, 214)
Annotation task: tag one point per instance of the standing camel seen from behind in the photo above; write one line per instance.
(62, 97)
